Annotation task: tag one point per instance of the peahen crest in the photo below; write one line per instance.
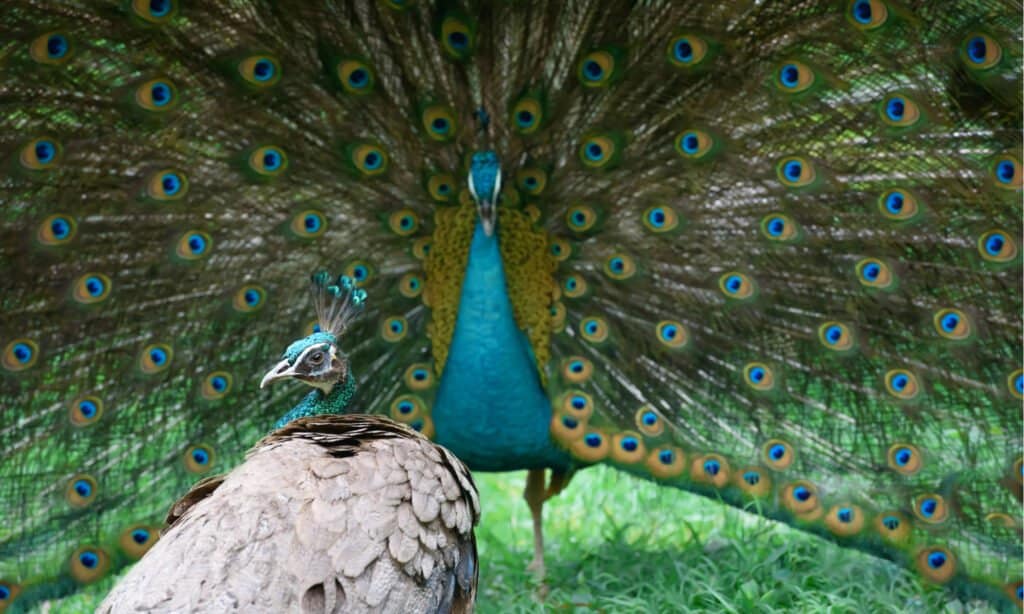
(766, 252)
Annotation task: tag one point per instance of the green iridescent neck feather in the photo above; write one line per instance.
(317, 403)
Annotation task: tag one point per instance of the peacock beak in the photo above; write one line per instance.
(281, 370)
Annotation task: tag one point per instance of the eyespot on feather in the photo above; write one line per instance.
(566, 429)
(439, 123)
(581, 218)
(952, 324)
(620, 267)
(441, 187)
(156, 95)
(779, 227)
(403, 222)
(1015, 384)
(902, 384)
(20, 354)
(56, 230)
(794, 77)
(369, 160)
(88, 564)
(753, 481)
(867, 15)
(628, 448)
(710, 469)
(419, 377)
(687, 51)
(216, 385)
(166, 185)
(155, 357)
(759, 376)
(997, 246)
(9, 591)
(594, 329)
(592, 447)
(660, 219)
(936, 564)
(407, 408)
(1006, 172)
(85, 410)
(81, 490)
(930, 508)
(52, 48)
(777, 454)
(355, 76)
(193, 245)
(41, 154)
(898, 205)
(649, 421)
(874, 273)
(795, 171)
(393, 329)
(577, 404)
(410, 285)
(598, 68)
(893, 526)
(249, 299)
(666, 462)
(136, 540)
(260, 71)
(531, 180)
(599, 151)
(458, 36)
(267, 161)
(671, 334)
(899, 111)
(577, 369)
(91, 288)
(979, 51)
(558, 315)
(199, 458)
(361, 271)
(154, 11)
(693, 144)
(737, 286)
(800, 497)
(844, 520)
(836, 336)
(527, 114)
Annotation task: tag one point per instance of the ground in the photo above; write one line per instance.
(618, 544)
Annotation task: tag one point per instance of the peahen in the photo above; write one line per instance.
(331, 513)
(768, 252)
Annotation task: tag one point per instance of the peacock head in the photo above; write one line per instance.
(316, 360)
(485, 185)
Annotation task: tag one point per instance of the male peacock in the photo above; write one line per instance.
(765, 251)
(331, 513)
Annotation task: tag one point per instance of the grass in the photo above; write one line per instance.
(618, 544)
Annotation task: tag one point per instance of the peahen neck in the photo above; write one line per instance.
(490, 408)
(318, 402)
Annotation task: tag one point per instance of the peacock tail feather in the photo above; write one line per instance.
(767, 252)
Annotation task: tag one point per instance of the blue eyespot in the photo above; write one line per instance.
(667, 457)
(592, 327)
(792, 170)
(579, 402)
(458, 40)
(1005, 171)
(525, 119)
(83, 488)
(593, 440)
(60, 228)
(358, 77)
(159, 8)
(56, 46)
(171, 183)
(903, 456)
(88, 409)
(891, 522)
(995, 243)
(928, 507)
(46, 151)
(417, 425)
(862, 11)
(949, 322)
(406, 407)
(1018, 384)
(219, 383)
(251, 296)
(570, 423)
(733, 283)
(899, 383)
(617, 265)
(775, 226)
(801, 493)
(372, 161)
(757, 376)
(871, 271)
(440, 125)
(683, 51)
(576, 366)
(977, 50)
(160, 94)
(88, 559)
(656, 217)
(360, 272)
(158, 356)
(690, 142)
(419, 375)
(311, 222)
(936, 560)
(894, 203)
(140, 536)
(196, 244)
(629, 444)
(789, 76)
(263, 70)
(5, 593)
(594, 152)
(592, 70)
(22, 352)
(712, 467)
(650, 418)
(833, 334)
(669, 332)
(845, 515)
(272, 160)
(200, 456)
(895, 109)
(752, 478)
(777, 451)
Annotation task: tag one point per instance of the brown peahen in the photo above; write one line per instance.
(769, 252)
(331, 513)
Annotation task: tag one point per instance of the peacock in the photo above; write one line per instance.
(331, 513)
(767, 252)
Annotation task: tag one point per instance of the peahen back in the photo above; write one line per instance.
(769, 252)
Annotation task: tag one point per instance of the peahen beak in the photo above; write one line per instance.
(281, 370)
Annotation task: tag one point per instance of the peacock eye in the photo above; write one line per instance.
(316, 358)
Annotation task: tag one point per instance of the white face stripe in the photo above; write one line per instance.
(472, 188)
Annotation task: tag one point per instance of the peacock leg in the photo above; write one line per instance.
(536, 494)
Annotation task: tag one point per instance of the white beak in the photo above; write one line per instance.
(281, 370)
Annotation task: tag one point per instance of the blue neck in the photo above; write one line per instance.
(316, 403)
(490, 408)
